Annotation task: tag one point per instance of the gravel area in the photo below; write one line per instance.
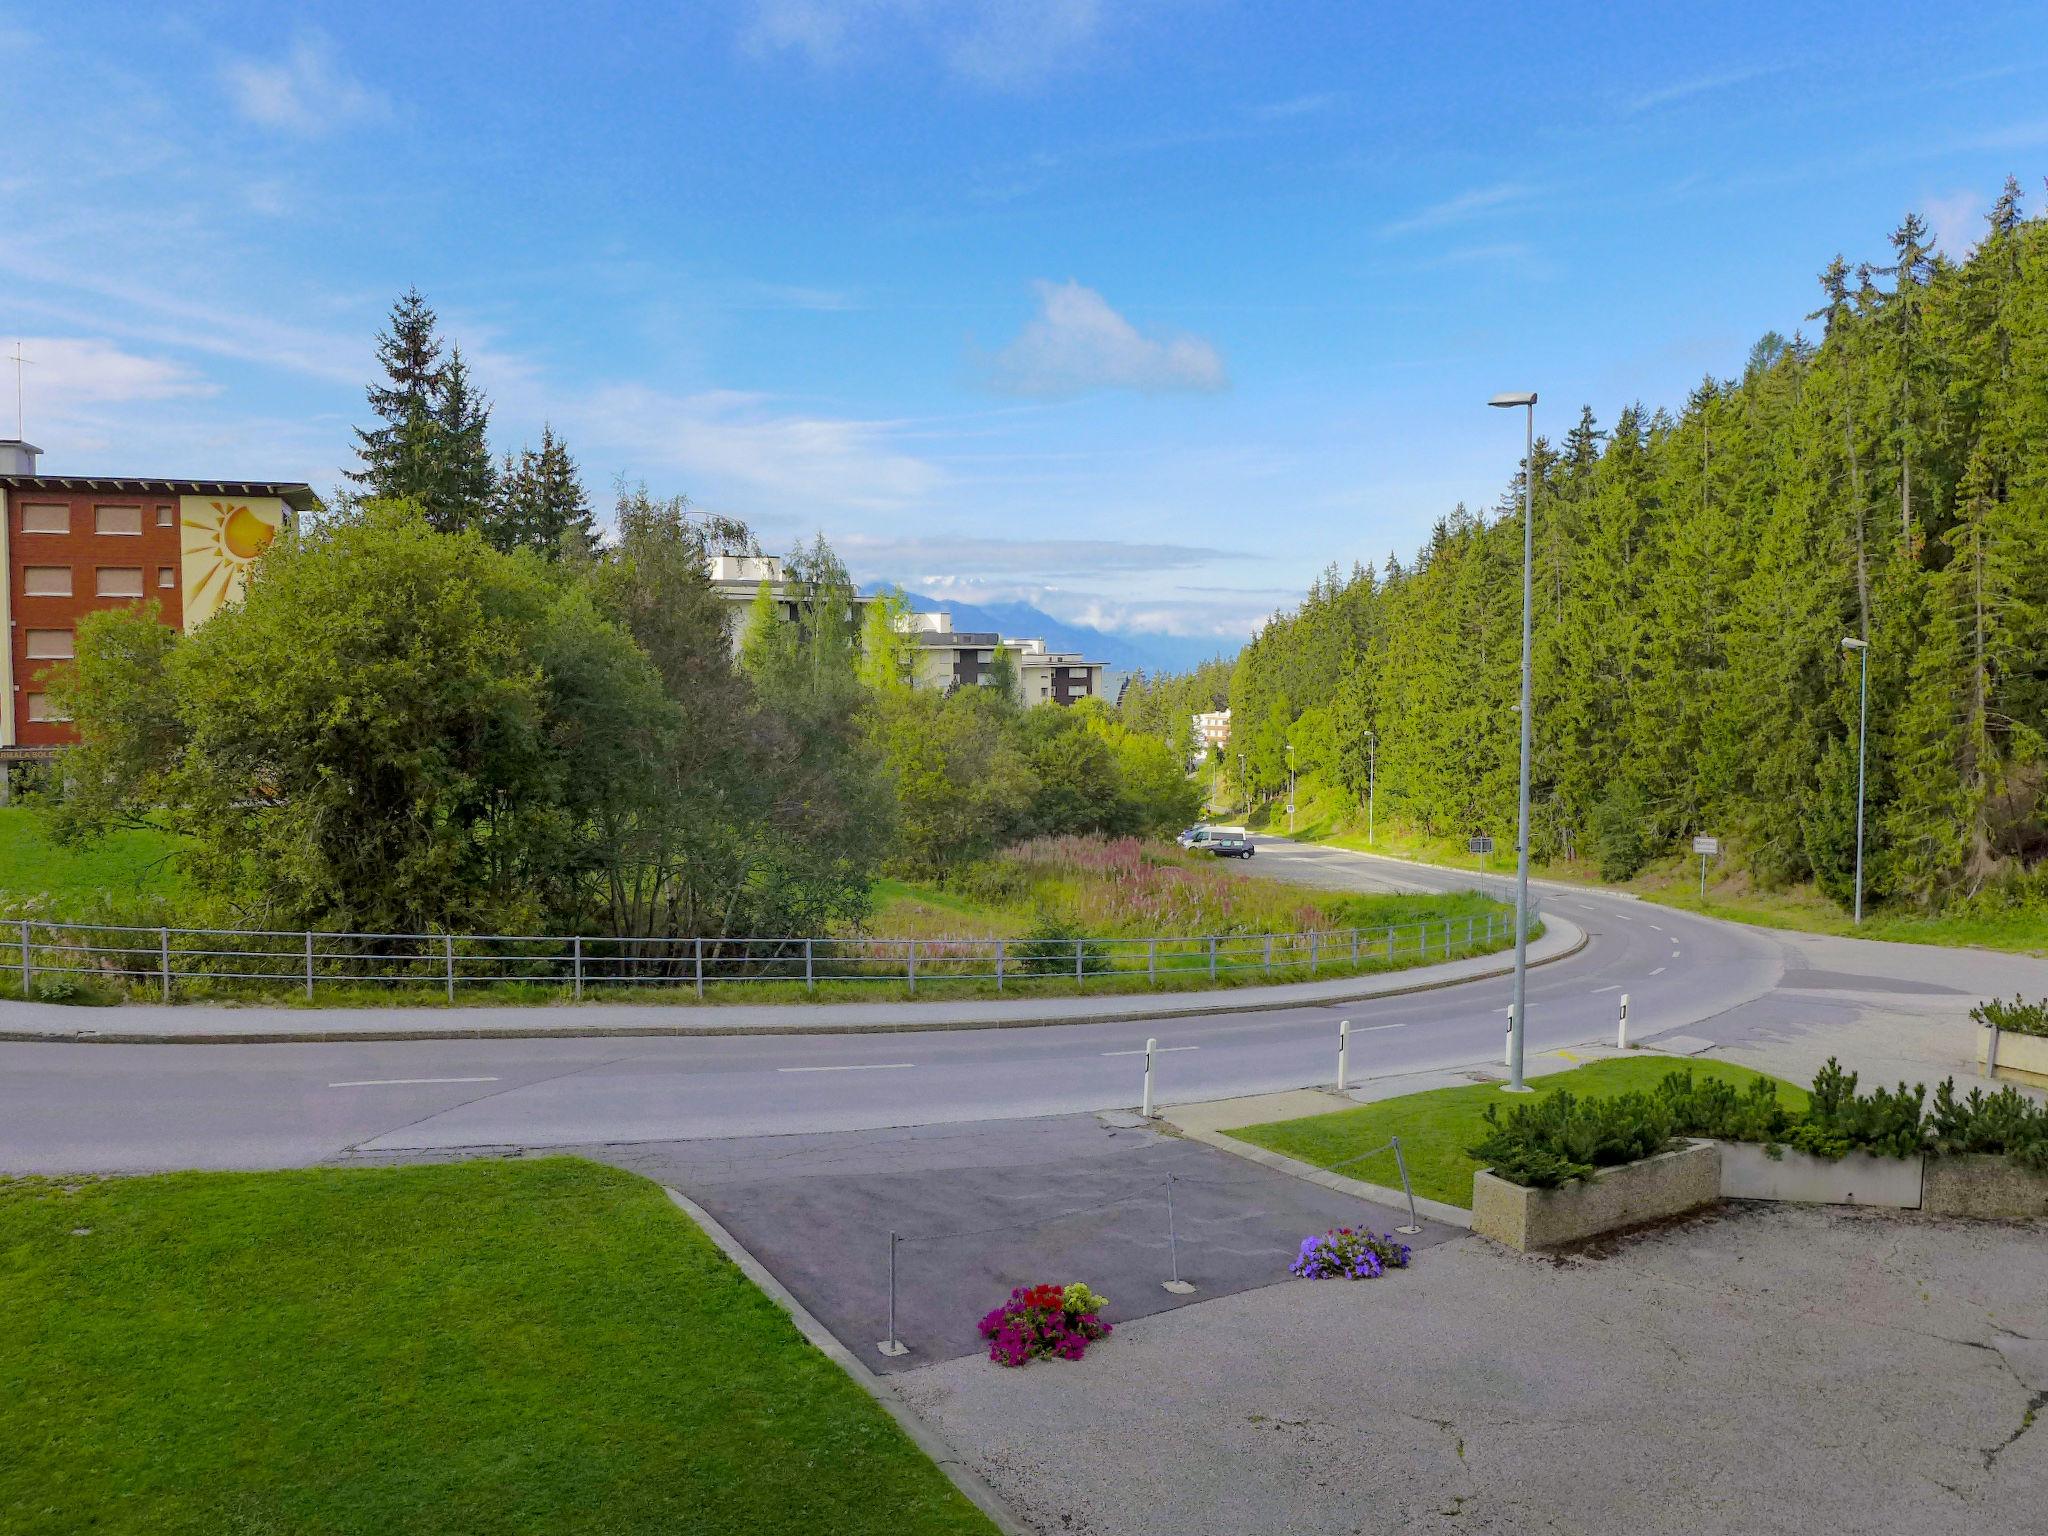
(1766, 1368)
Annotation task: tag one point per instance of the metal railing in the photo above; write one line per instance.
(246, 959)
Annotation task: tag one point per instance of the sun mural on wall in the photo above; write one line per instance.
(222, 538)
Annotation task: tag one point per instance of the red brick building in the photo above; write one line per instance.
(71, 544)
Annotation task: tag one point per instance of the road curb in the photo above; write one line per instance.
(971, 1483)
(1243, 1002)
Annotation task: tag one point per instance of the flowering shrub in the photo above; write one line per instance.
(1347, 1255)
(1044, 1322)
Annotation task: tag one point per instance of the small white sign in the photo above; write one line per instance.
(1706, 845)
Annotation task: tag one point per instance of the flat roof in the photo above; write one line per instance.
(295, 494)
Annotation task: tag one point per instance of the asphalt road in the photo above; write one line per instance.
(141, 1107)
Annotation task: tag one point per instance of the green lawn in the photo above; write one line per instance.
(477, 1347)
(123, 864)
(1436, 1127)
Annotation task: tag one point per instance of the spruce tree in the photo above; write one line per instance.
(540, 504)
(466, 481)
(401, 457)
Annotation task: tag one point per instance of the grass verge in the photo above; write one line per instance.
(1437, 1126)
(122, 864)
(479, 1347)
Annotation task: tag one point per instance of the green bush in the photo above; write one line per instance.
(1048, 949)
(74, 987)
(2018, 1016)
(1714, 1108)
(1620, 845)
(2007, 1122)
(1562, 1137)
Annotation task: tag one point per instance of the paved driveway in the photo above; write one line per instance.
(1057, 1199)
(1771, 1369)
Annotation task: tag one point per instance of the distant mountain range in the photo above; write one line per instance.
(1120, 652)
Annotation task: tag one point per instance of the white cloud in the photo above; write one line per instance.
(1957, 222)
(65, 371)
(1458, 210)
(737, 441)
(1001, 43)
(308, 91)
(1699, 85)
(1078, 343)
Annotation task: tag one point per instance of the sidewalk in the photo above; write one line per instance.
(209, 1023)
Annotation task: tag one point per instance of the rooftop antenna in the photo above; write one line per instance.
(20, 361)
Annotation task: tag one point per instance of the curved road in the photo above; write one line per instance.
(128, 1107)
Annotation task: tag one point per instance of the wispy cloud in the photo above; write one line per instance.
(744, 443)
(1078, 343)
(72, 370)
(1700, 85)
(1957, 222)
(1460, 209)
(307, 92)
(977, 558)
(1003, 44)
(1298, 106)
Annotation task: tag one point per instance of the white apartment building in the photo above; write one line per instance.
(1212, 728)
(738, 578)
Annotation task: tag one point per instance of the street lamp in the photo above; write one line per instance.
(1244, 789)
(1290, 789)
(1372, 780)
(1519, 1026)
(1862, 650)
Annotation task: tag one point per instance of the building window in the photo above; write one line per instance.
(45, 519)
(46, 581)
(42, 711)
(50, 645)
(119, 581)
(165, 517)
(126, 520)
(166, 577)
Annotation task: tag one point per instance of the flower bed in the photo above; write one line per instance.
(1045, 1322)
(1344, 1254)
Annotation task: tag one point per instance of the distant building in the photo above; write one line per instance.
(75, 544)
(947, 658)
(738, 578)
(1212, 729)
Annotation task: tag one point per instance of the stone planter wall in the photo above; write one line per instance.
(1749, 1173)
(1669, 1184)
(2020, 1058)
(1989, 1188)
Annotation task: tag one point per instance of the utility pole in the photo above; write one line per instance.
(1290, 789)
(1372, 780)
(1519, 1019)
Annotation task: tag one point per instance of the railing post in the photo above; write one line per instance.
(309, 965)
(448, 953)
(700, 968)
(1080, 982)
(1354, 946)
(1152, 960)
(28, 969)
(163, 942)
(1447, 938)
(1269, 954)
(576, 956)
(1390, 944)
(1422, 941)
(1315, 941)
(913, 965)
(1212, 956)
(810, 972)
(1002, 947)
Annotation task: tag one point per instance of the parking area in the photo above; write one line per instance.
(983, 1208)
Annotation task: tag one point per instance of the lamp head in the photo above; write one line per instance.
(1526, 398)
(1851, 643)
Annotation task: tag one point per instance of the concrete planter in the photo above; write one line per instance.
(1749, 1173)
(2013, 1058)
(1669, 1184)
(1989, 1188)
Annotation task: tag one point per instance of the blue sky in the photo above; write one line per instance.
(1144, 311)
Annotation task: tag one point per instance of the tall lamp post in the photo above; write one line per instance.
(1290, 789)
(1519, 1026)
(1372, 780)
(1244, 789)
(1862, 650)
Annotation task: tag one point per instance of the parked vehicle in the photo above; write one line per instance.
(1191, 835)
(1227, 843)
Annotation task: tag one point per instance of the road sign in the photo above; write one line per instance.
(1480, 844)
(1706, 845)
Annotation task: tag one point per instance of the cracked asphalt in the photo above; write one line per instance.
(1766, 1368)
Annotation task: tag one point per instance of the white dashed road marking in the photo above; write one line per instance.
(1157, 1050)
(408, 1082)
(866, 1066)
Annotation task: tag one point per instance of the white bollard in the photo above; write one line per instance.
(1621, 1028)
(1343, 1054)
(1507, 1055)
(1147, 1110)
